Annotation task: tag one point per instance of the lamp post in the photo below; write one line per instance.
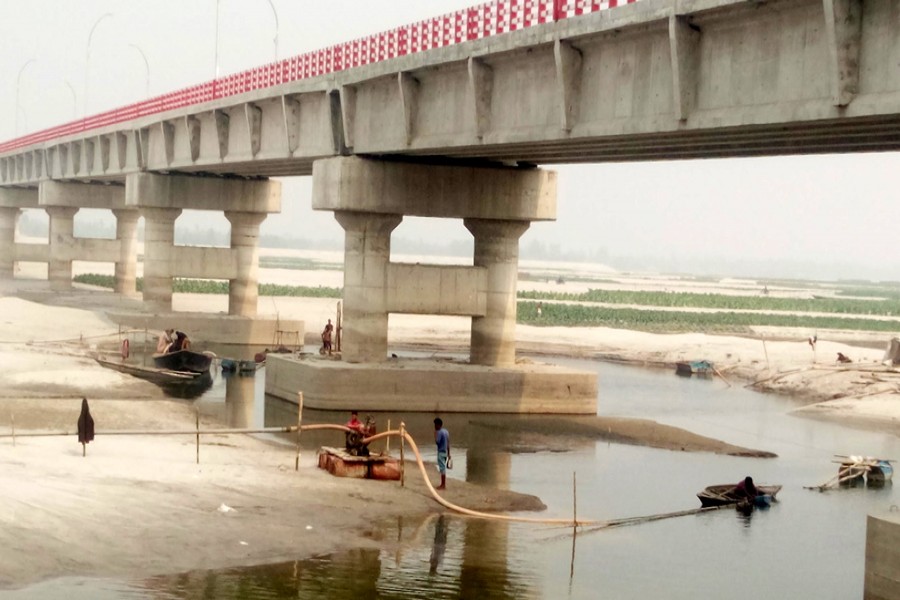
(18, 79)
(87, 59)
(275, 39)
(147, 67)
(74, 99)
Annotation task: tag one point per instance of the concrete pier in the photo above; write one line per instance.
(497, 204)
(161, 199)
(62, 240)
(9, 217)
(126, 266)
(882, 557)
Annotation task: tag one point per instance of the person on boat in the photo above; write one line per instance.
(354, 423)
(181, 342)
(165, 340)
(746, 489)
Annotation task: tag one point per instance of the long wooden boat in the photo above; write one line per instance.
(723, 494)
(160, 376)
(184, 360)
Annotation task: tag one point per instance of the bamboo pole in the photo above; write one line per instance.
(402, 445)
(12, 422)
(766, 352)
(387, 441)
(285, 429)
(574, 503)
(299, 428)
(197, 413)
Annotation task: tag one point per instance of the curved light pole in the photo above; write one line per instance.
(18, 79)
(74, 99)
(147, 67)
(275, 14)
(87, 59)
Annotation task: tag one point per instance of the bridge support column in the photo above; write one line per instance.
(126, 266)
(8, 219)
(243, 290)
(159, 250)
(62, 240)
(497, 250)
(367, 254)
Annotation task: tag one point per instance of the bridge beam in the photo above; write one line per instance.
(370, 199)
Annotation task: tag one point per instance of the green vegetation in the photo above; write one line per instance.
(886, 308)
(206, 286)
(295, 263)
(661, 321)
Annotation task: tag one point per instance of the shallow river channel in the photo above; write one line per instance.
(807, 545)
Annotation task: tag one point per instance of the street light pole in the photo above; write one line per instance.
(87, 59)
(147, 67)
(18, 78)
(275, 13)
(74, 99)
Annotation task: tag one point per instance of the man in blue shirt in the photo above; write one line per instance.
(442, 439)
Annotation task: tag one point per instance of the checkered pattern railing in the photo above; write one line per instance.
(484, 20)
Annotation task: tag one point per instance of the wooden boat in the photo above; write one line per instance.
(852, 469)
(703, 368)
(723, 494)
(156, 375)
(184, 360)
(231, 365)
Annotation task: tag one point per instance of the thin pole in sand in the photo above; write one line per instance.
(12, 422)
(387, 440)
(574, 502)
(197, 414)
(766, 352)
(402, 445)
(299, 423)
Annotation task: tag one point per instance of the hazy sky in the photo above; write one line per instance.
(814, 216)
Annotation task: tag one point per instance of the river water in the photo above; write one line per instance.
(807, 545)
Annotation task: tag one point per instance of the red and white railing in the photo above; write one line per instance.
(484, 20)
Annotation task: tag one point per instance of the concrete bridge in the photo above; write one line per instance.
(450, 118)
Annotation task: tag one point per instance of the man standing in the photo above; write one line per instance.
(442, 439)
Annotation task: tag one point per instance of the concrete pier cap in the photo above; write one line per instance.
(351, 183)
(195, 192)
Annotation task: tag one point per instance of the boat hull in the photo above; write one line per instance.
(183, 360)
(722, 495)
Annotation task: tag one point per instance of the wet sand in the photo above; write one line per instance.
(140, 505)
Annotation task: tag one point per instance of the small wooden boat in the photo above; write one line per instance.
(852, 469)
(703, 368)
(723, 494)
(184, 360)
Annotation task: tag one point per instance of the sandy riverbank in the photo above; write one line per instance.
(140, 505)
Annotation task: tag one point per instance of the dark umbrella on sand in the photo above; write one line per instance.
(85, 426)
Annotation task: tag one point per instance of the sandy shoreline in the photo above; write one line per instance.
(141, 506)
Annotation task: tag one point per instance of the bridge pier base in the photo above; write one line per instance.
(369, 199)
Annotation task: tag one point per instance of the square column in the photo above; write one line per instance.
(497, 250)
(159, 246)
(243, 290)
(9, 217)
(367, 254)
(126, 266)
(62, 241)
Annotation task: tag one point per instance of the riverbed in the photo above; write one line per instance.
(807, 545)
